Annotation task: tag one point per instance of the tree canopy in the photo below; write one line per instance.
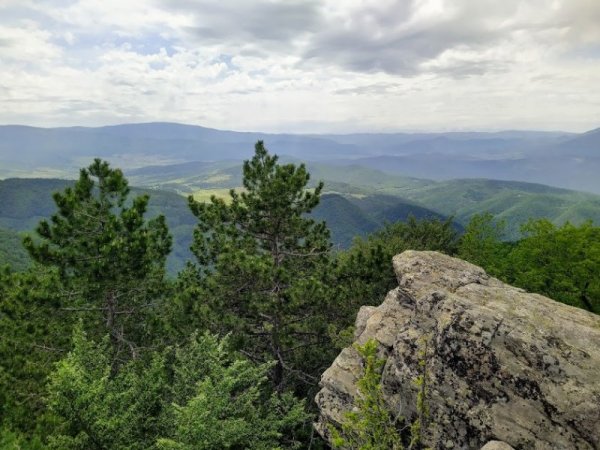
(109, 258)
(262, 263)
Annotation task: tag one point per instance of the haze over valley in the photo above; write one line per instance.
(559, 159)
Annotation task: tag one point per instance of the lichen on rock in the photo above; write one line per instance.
(503, 364)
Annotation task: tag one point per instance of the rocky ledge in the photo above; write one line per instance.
(501, 364)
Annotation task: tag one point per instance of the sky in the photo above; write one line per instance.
(303, 66)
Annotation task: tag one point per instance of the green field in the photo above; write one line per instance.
(204, 195)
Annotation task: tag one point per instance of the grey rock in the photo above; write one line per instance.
(497, 445)
(502, 364)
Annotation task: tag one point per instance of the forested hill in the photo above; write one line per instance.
(24, 202)
(349, 210)
(512, 201)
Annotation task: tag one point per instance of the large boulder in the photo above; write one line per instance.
(501, 364)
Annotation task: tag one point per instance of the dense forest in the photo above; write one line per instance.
(100, 348)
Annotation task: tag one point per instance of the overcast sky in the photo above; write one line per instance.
(303, 66)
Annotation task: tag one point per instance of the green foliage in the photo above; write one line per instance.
(12, 440)
(12, 252)
(562, 263)
(262, 265)
(481, 243)
(212, 389)
(110, 260)
(231, 408)
(371, 426)
(365, 274)
(426, 234)
(199, 395)
(104, 410)
(33, 335)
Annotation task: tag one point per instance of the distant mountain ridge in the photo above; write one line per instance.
(554, 158)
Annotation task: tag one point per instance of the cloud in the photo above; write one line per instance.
(259, 23)
(408, 37)
(26, 44)
(292, 65)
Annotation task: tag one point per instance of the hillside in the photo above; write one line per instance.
(350, 216)
(515, 202)
(24, 202)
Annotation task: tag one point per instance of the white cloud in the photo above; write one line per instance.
(27, 44)
(302, 65)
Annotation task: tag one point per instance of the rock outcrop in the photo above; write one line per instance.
(502, 364)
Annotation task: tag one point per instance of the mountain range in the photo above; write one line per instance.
(557, 159)
(370, 179)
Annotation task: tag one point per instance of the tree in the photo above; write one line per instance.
(262, 263)
(560, 262)
(364, 273)
(222, 401)
(371, 425)
(34, 333)
(481, 243)
(110, 260)
(199, 395)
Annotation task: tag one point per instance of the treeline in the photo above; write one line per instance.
(100, 349)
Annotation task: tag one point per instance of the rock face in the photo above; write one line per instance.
(501, 364)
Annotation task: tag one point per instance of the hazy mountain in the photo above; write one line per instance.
(586, 145)
(24, 147)
(553, 158)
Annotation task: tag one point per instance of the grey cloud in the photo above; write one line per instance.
(582, 18)
(374, 88)
(383, 36)
(466, 69)
(260, 23)
(391, 43)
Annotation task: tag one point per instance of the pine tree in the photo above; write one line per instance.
(33, 336)
(262, 264)
(110, 260)
(199, 395)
